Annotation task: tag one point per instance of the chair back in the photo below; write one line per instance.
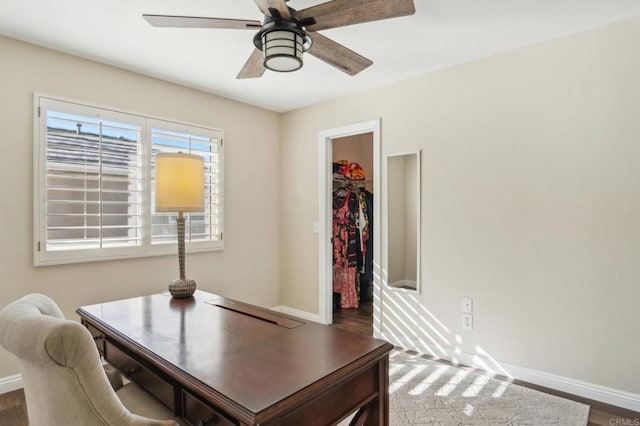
(64, 381)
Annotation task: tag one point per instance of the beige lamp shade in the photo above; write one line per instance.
(179, 183)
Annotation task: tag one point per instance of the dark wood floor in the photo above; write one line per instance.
(13, 409)
(13, 406)
(357, 320)
(361, 321)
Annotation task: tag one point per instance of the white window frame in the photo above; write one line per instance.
(42, 257)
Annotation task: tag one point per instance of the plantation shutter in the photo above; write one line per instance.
(206, 143)
(93, 182)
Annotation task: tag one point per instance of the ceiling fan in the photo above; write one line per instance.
(285, 34)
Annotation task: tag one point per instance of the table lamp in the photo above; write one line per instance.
(180, 188)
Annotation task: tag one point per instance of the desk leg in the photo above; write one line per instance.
(378, 412)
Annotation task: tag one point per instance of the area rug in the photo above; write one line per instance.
(427, 392)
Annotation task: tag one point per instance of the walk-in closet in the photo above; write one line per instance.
(352, 232)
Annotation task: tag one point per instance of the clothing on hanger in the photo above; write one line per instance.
(352, 225)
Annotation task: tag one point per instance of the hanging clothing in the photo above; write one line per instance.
(352, 242)
(363, 227)
(366, 278)
(345, 248)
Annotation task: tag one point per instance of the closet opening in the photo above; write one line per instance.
(350, 164)
(352, 197)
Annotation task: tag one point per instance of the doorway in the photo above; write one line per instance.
(359, 144)
(352, 190)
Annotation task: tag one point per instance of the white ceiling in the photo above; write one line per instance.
(441, 33)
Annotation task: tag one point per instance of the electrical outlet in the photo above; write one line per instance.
(467, 321)
(467, 305)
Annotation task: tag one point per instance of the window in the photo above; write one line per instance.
(94, 184)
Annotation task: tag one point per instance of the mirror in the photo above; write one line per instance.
(403, 223)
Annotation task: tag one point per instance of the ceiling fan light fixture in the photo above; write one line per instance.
(283, 42)
(282, 50)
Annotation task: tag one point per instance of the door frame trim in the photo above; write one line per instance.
(325, 216)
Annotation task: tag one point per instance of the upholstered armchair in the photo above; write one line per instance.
(64, 381)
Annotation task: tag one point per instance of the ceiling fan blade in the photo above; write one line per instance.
(254, 67)
(278, 5)
(335, 54)
(198, 22)
(338, 13)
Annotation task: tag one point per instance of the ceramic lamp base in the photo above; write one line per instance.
(182, 287)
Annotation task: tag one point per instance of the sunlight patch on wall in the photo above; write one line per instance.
(418, 332)
(427, 323)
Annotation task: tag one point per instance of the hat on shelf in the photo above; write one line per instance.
(341, 167)
(356, 172)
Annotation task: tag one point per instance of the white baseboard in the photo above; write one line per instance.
(618, 398)
(10, 383)
(593, 391)
(297, 313)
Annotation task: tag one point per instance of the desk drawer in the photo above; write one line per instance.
(136, 372)
(98, 337)
(336, 402)
(198, 413)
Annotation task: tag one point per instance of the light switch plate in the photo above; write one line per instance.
(467, 305)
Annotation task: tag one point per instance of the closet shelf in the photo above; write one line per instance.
(341, 178)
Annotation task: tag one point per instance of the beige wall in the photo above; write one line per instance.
(248, 267)
(530, 201)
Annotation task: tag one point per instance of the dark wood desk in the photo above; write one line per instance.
(215, 361)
